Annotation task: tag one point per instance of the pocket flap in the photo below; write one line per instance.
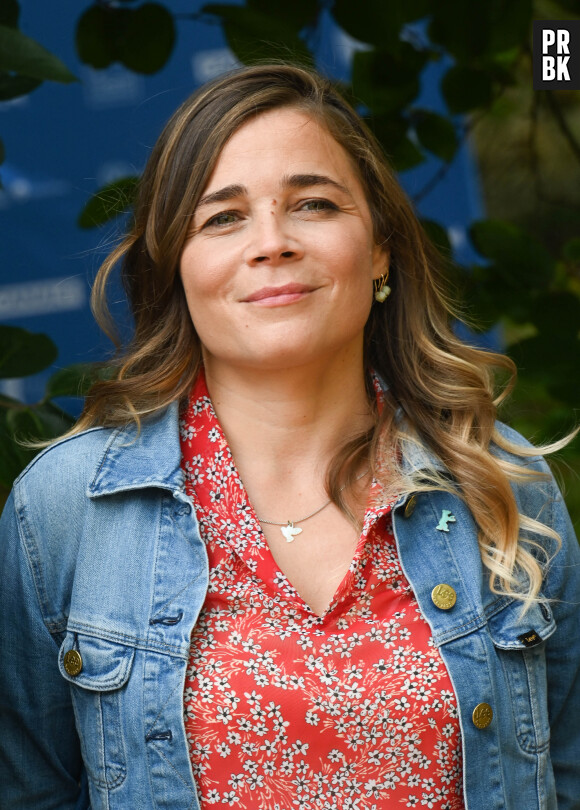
(510, 630)
(99, 665)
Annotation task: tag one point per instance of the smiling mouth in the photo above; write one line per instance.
(279, 296)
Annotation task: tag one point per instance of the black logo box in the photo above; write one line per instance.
(571, 65)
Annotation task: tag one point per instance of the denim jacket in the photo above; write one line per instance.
(100, 555)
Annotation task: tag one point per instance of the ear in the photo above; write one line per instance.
(381, 257)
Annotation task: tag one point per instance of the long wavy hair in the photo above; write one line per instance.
(441, 391)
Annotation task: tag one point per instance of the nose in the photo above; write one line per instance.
(271, 240)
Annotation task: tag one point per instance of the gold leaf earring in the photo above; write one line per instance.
(382, 289)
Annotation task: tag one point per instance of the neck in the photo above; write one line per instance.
(285, 426)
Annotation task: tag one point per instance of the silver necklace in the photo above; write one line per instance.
(290, 529)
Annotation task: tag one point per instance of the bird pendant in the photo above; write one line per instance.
(290, 531)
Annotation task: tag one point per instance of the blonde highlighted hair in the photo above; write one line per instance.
(443, 388)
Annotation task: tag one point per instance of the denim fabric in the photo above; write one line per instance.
(100, 552)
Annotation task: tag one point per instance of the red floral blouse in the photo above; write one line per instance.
(285, 709)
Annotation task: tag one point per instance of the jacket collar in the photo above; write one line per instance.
(137, 459)
(151, 456)
(416, 457)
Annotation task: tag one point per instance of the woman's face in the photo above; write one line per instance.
(279, 261)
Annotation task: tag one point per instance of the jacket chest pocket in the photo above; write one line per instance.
(520, 648)
(98, 671)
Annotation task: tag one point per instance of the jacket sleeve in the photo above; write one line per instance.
(40, 762)
(562, 586)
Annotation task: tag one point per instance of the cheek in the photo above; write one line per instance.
(196, 293)
(205, 285)
(200, 277)
(352, 267)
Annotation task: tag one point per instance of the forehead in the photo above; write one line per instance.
(284, 139)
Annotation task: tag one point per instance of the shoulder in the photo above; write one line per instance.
(534, 478)
(535, 474)
(537, 493)
(64, 468)
(60, 504)
(102, 460)
(42, 523)
(48, 503)
(54, 494)
(508, 443)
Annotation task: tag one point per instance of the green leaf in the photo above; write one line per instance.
(21, 423)
(405, 155)
(436, 133)
(493, 294)
(510, 22)
(558, 313)
(462, 28)
(110, 201)
(479, 29)
(36, 423)
(438, 236)
(298, 13)
(97, 33)
(12, 86)
(71, 381)
(465, 89)
(391, 130)
(13, 458)
(148, 39)
(9, 13)
(24, 424)
(521, 261)
(378, 22)
(384, 83)
(20, 54)
(568, 5)
(571, 250)
(142, 38)
(23, 353)
(254, 36)
(54, 420)
(552, 359)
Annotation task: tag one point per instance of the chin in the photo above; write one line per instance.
(292, 357)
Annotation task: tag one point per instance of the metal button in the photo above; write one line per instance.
(443, 596)
(410, 506)
(482, 715)
(73, 663)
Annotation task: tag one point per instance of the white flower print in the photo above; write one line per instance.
(286, 709)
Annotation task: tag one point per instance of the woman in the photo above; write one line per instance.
(287, 559)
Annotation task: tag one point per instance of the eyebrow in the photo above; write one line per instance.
(223, 194)
(306, 180)
(288, 181)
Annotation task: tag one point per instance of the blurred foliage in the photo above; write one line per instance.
(23, 353)
(24, 63)
(528, 279)
(140, 38)
(110, 201)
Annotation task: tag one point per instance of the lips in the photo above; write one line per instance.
(286, 293)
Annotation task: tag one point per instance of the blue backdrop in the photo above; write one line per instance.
(63, 142)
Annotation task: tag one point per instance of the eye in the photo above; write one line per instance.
(318, 205)
(222, 219)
